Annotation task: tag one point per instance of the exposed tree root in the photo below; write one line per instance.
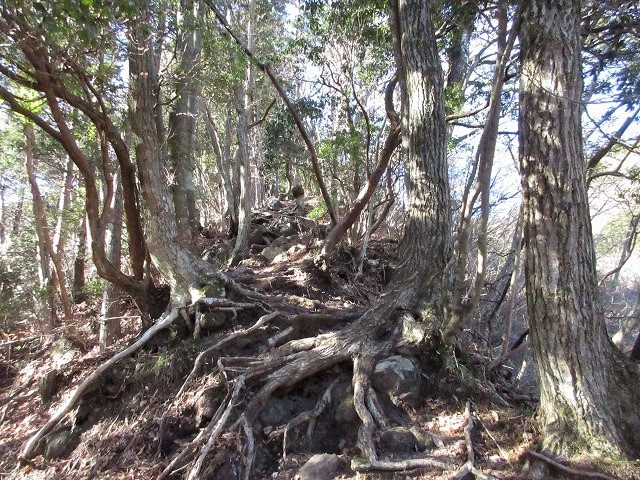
(362, 367)
(469, 467)
(28, 451)
(309, 417)
(397, 465)
(262, 321)
(569, 470)
(191, 448)
(220, 424)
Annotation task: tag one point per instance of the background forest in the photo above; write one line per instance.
(218, 221)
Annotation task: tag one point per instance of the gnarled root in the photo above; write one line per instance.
(309, 417)
(469, 467)
(28, 451)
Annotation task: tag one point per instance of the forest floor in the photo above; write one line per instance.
(114, 431)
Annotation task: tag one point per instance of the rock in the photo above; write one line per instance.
(59, 444)
(345, 412)
(213, 320)
(413, 335)
(320, 467)
(399, 377)
(400, 440)
(206, 405)
(257, 237)
(274, 413)
(211, 291)
(286, 256)
(306, 224)
(49, 385)
(280, 245)
(274, 204)
(424, 440)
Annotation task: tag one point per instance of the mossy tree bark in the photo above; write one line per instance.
(585, 383)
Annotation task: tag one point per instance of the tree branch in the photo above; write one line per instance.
(296, 118)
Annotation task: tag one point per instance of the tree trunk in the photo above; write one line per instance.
(110, 311)
(244, 163)
(243, 109)
(367, 191)
(42, 227)
(182, 270)
(182, 119)
(586, 385)
(426, 246)
(79, 264)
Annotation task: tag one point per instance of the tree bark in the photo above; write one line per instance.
(110, 311)
(42, 227)
(182, 120)
(426, 245)
(586, 385)
(183, 271)
(243, 110)
(79, 264)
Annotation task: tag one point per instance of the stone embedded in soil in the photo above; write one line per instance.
(399, 377)
(274, 413)
(320, 467)
(402, 440)
(49, 385)
(213, 320)
(58, 444)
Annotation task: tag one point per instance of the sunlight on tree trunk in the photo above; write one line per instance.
(587, 388)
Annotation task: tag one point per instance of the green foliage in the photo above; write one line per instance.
(454, 98)
(95, 287)
(282, 138)
(318, 212)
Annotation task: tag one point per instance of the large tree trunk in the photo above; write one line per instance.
(182, 120)
(182, 270)
(426, 246)
(586, 385)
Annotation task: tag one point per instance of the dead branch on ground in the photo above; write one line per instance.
(28, 451)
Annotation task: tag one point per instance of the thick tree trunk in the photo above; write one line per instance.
(587, 398)
(182, 120)
(426, 246)
(183, 270)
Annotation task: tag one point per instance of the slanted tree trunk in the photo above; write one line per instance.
(42, 226)
(588, 395)
(364, 195)
(181, 269)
